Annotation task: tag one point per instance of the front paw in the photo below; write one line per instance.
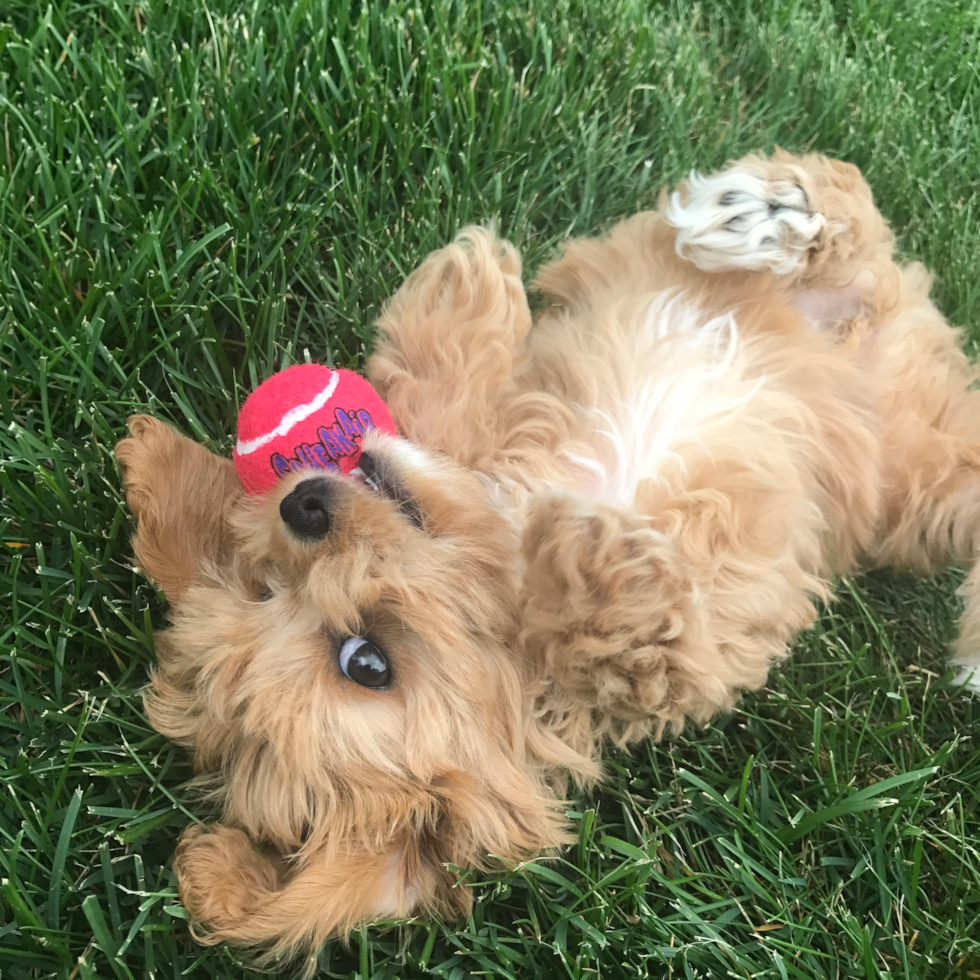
(610, 612)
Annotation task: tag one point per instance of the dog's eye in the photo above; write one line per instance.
(363, 662)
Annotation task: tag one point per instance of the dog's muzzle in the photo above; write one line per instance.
(306, 510)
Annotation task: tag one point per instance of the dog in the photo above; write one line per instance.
(599, 523)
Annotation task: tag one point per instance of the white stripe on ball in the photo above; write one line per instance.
(291, 418)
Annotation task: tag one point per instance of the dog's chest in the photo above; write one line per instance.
(681, 386)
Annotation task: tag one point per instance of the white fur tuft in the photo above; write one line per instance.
(735, 220)
(657, 415)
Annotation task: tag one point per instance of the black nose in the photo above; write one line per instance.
(306, 511)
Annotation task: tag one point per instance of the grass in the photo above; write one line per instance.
(193, 194)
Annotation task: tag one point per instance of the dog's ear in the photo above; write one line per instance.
(239, 893)
(181, 496)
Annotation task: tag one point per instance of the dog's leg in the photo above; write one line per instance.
(809, 220)
(931, 457)
(635, 630)
(448, 343)
(813, 222)
(611, 617)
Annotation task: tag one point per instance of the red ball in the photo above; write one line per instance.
(306, 417)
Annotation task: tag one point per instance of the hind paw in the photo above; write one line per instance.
(739, 220)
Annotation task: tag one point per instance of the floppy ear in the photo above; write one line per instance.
(239, 893)
(181, 496)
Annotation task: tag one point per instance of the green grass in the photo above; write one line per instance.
(194, 194)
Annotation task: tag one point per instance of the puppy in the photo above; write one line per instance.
(598, 524)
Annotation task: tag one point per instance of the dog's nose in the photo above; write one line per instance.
(306, 511)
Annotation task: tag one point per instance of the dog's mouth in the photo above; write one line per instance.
(370, 474)
(376, 474)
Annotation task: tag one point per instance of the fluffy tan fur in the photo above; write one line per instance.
(627, 508)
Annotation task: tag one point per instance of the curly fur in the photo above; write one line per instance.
(628, 510)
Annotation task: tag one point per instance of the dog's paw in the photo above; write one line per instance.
(476, 271)
(739, 220)
(611, 613)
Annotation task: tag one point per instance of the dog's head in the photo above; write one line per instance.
(341, 664)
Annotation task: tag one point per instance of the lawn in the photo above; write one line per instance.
(193, 194)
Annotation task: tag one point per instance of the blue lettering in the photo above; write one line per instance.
(349, 424)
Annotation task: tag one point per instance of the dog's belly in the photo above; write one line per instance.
(669, 385)
(684, 411)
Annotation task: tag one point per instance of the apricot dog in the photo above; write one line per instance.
(600, 522)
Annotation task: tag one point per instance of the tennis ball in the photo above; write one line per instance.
(306, 417)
